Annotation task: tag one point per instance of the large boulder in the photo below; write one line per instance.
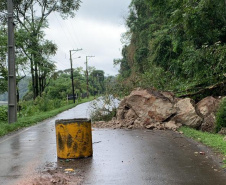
(144, 107)
(186, 113)
(208, 124)
(207, 109)
(207, 106)
(222, 131)
(152, 109)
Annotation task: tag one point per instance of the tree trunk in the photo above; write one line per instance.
(36, 80)
(32, 76)
(40, 83)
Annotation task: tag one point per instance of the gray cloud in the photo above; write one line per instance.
(96, 28)
(111, 11)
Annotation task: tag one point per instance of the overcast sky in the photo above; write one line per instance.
(97, 29)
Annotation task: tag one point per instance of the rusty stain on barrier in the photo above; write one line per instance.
(74, 138)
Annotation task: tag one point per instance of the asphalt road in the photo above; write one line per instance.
(124, 157)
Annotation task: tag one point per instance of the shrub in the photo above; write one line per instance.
(40, 104)
(104, 108)
(43, 104)
(28, 96)
(27, 108)
(221, 116)
(3, 113)
(57, 103)
(103, 115)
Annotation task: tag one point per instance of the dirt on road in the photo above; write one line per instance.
(51, 175)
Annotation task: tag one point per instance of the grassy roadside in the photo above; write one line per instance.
(214, 141)
(6, 128)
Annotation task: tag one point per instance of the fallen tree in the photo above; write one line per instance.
(214, 90)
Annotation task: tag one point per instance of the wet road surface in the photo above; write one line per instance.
(24, 153)
(120, 157)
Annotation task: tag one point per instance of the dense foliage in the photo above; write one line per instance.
(3, 113)
(3, 52)
(56, 93)
(61, 86)
(33, 51)
(174, 45)
(221, 116)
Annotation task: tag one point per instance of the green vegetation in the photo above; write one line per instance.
(61, 86)
(175, 45)
(3, 113)
(37, 116)
(212, 140)
(53, 99)
(41, 90)
(104, 108)
(33, 51)
(221, 116)
(172, 45)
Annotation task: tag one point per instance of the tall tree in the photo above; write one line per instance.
(32, 18)
(183, 41)
(3, 63)
(97, 81)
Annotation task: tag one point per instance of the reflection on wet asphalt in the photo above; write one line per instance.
(120, 156)
(25, 152)
(148, 157)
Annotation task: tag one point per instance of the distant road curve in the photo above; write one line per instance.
(3, 103)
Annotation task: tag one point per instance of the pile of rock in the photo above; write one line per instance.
(152, 109)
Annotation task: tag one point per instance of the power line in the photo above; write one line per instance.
(62, 28)
(70, 34)
(73, 35)
(72, 25)
(62, 65)
(71, 39)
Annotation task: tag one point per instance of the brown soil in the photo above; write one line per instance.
(57, 176)
(51, 176)
(103, 124)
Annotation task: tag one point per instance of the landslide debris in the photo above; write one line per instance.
(152, 109)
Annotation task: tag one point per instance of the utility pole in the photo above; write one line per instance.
(87, 75)
(72, 77)
(12, 101)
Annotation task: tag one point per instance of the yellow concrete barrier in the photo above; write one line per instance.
(74, 138)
